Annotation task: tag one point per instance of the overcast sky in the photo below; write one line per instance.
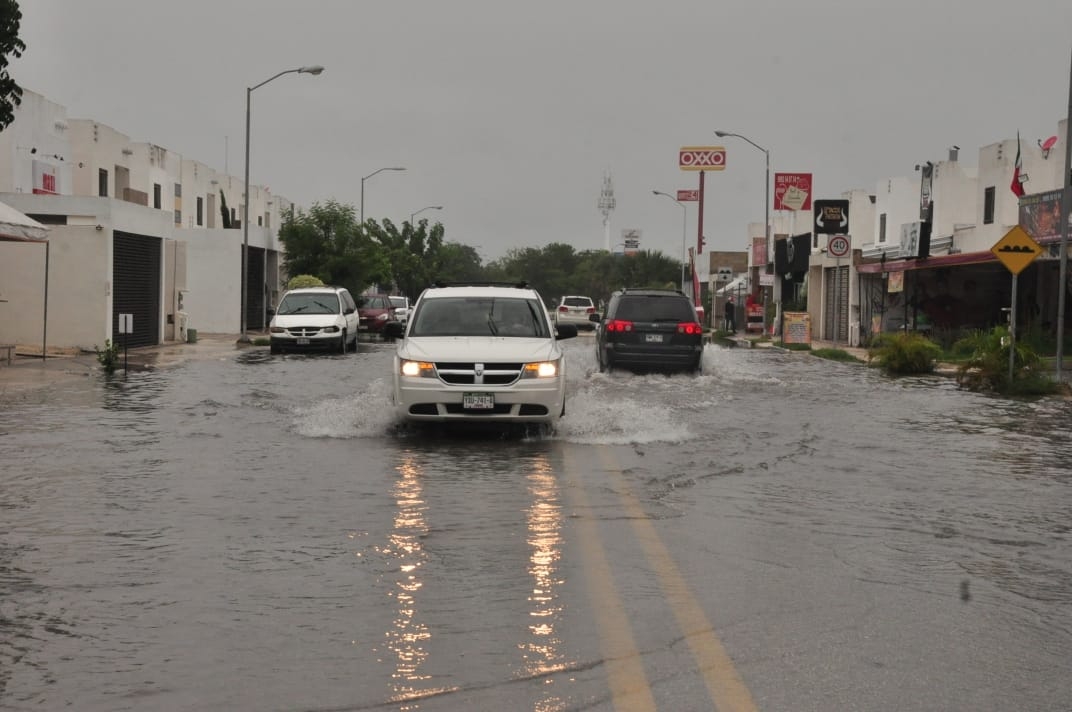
(508, 113)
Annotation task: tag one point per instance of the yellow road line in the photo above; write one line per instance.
(629, 686)
(724, 684)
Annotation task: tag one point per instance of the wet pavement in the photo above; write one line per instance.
(219, 528)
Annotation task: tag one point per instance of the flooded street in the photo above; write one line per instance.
(782, 533)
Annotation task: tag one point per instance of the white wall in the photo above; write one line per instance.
(42, 125)
(213, 299)
(898, 199)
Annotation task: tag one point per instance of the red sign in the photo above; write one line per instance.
(688, 196)
(701, 158)
(792, 191)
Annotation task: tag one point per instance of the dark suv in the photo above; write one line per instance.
(650, 330)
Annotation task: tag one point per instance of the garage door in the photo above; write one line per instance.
(136, 287)
(255, 287)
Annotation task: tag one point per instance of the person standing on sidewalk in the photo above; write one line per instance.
(731, 315)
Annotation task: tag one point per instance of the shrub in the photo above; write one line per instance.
(904, 353)
(301, 281)
(108, 357)
(987, 365)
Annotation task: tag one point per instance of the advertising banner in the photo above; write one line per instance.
(797, 328)
(1040, 215)
(792, 191)
(759, 251)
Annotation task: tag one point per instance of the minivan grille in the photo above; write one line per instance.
(474, 373)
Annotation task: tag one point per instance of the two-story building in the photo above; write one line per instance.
(134, 228)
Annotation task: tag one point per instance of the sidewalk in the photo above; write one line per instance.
(29, 370)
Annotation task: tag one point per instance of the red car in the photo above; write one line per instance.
(375, 310)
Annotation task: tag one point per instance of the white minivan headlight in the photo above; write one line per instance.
(417, 369)
(541, 369)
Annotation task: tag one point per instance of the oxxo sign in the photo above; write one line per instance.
(701, 158)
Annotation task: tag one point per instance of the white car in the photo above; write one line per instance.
(478, 354)
(575, 310)
(314, 318)
(402, 308)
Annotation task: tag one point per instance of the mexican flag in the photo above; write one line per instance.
(1016, 186)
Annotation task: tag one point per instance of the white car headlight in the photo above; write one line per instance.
(541, 369)
(421, 369)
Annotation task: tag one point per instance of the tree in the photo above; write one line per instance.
(327, 241)
(415, 254)
(10, 44)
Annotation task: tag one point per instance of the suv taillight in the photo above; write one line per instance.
(563, 308)
(618, 325)
(590, 310)
(689, 327)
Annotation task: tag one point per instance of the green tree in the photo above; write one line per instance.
(327, 241)
(10, 44)
(415, 253)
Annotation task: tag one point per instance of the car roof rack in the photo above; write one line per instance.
(517, 285)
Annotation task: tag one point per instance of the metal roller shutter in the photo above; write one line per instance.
(837, 305)
(136, 287)
(255, 287)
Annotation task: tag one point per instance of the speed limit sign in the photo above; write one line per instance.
(838, 246)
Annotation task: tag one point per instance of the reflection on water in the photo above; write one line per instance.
(409, 635)
(541, 652)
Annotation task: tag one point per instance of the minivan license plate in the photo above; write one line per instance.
(302, 341)
(654, 338)
(478, 401)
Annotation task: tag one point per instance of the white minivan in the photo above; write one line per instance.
(314, 318)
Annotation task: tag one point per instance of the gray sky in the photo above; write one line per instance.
(507, 113)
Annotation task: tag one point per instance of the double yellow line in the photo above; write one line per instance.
(628, 682)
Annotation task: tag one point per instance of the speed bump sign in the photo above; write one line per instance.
(1016, 250)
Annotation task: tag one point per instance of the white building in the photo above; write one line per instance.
(134, 228)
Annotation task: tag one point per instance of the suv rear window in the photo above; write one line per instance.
(577, 302)
(654, 308)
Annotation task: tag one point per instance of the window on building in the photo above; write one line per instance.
(988, 206)
(178, 190)
(234, 218)
(882, 227)
(178, 217)
(260, 222)
(200, 211)
(157, 200)
(102, 183)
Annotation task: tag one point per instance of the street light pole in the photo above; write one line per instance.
(378, 170)
(684, 231)
(430, 207)
(766, 210)
(314, 70)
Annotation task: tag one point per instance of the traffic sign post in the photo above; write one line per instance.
(1016, 250)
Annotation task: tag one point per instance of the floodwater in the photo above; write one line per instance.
(254, 532)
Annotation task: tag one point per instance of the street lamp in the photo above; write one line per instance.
(314, 70)
(766, 209)
(379, 170)
(430, 207)
(684, 222)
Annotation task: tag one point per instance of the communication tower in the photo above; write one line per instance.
(606, 205)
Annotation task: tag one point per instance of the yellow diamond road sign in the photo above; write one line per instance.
(1016, 250)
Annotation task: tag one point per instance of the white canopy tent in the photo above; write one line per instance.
(17, 227)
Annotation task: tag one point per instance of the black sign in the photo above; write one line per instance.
(831, 217)
(792, 254)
